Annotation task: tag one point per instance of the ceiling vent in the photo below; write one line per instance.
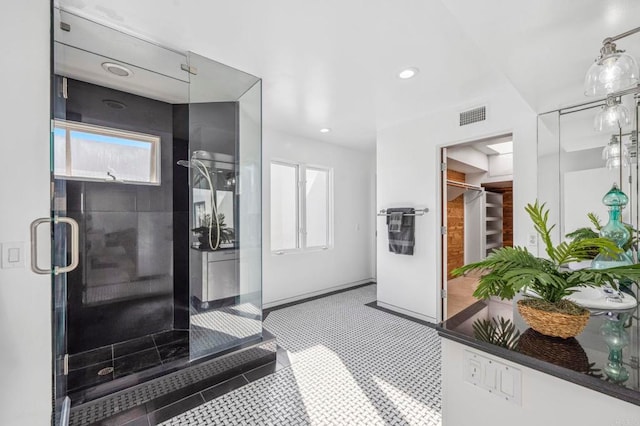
(473, 115)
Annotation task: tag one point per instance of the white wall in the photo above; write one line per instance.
(351, 260)
(546, 400)
(470, 156)
(408, 175)
(25, 298)
(500, 166)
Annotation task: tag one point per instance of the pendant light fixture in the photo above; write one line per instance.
(615, 154)
(613, 70)
(612, 117)
(632, 147)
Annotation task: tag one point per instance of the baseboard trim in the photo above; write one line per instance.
(407, 312)
(307, 297)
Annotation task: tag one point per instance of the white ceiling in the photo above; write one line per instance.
(545, 47)
(333, 63)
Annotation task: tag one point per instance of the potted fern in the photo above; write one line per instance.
(510, 270)
(207, 232)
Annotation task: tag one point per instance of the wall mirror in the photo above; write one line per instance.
(573, 171)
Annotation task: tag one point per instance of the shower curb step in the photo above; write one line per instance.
(148, 402)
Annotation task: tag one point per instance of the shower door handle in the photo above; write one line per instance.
(75, 245)
(34, 246)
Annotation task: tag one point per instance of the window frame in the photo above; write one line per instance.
(154, 154)
(301, 207)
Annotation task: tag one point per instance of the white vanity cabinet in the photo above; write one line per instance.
(219, 275)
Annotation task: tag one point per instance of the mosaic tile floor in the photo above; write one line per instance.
(350, 365)
(223, 327)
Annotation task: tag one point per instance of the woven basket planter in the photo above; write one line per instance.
(566, 353)
(554, 324)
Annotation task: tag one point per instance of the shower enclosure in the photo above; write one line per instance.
(156, 155)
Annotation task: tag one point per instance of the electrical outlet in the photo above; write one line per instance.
(493, 376)
(533, 239)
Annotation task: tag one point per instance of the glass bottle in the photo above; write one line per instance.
(614, 230)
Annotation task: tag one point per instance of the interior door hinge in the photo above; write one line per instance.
(64, 88)
(443, 167)
(65, 365)
(188, 68)
(443, 293)
(443, 230)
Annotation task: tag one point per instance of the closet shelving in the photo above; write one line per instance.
(493, 221)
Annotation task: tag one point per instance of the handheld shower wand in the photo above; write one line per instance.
(204, 171)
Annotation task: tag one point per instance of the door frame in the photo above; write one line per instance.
(441, 274)
(443, 235)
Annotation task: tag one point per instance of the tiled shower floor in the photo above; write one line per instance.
(101, 365)
(218, 327)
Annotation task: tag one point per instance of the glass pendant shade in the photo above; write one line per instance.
(612, 117)
(615, 154)
(612, 72)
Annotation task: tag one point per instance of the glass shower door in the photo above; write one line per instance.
(225, 207)
(60, 254)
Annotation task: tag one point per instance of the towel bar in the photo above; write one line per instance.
(419, 212)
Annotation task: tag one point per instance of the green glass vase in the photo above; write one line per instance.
(614, 230)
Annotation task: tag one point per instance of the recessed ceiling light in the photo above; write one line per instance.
(325, 130)
(117, 69)
(114, 104)
(502, 148)
(408, 73)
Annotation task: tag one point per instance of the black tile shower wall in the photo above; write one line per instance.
(180, 217)
(214, 127)
(123, 288)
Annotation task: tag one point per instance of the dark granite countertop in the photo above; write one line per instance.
(581, 360)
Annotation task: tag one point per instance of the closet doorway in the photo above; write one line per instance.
(477, 212)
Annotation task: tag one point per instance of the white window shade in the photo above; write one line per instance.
(284, 206)
(317, 207)
(301, 207)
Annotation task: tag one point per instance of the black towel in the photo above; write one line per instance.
(402, 242)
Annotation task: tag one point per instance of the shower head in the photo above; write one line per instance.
(194, 162)
(197, 157)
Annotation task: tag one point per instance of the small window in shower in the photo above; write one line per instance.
(95, 153)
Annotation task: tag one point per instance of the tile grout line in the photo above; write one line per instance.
(155, 345)
(113, 362)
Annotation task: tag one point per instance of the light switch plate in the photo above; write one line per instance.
(13, 255)
(494, 376)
